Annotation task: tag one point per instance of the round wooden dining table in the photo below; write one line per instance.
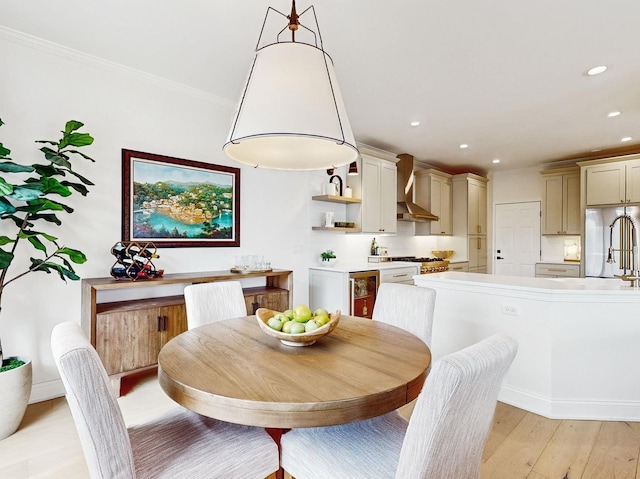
(232, 371)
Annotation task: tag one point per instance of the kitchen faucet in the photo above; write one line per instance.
(628, 253)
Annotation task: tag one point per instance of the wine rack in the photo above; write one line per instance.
(133, 261)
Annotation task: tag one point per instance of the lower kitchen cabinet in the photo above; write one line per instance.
(354, 292)
(462, 266)
(403, 275)
(557, 270)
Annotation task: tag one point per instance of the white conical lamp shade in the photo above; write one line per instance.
(291, 115)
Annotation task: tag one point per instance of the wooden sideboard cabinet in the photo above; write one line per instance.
(128, 335)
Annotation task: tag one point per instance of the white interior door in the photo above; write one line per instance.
(517, 239)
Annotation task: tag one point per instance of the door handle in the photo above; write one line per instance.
(499, 257)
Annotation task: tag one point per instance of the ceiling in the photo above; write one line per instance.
(505, 77)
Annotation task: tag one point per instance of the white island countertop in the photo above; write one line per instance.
(548, 285)
(578, 355)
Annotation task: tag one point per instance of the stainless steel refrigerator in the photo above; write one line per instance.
(601, 241)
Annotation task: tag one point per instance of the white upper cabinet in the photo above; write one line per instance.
(433, 191)
(376, 185)
(612, 183)
(561, 202)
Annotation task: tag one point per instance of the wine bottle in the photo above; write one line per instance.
(144, 252)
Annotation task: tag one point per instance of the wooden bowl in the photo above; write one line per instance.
(302, 339)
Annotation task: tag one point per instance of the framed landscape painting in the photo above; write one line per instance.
(175, 203)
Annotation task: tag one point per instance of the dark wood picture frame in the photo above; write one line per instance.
(174, 202)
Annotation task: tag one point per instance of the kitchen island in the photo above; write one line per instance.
(579, 353)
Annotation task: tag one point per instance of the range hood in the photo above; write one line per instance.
(407, 209)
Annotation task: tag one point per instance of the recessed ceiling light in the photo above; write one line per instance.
(596, 70)
(625, 139)
(613, 113)
(415, 123)
(464, 145)
(496, 161)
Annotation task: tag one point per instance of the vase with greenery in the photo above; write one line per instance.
(31, 201)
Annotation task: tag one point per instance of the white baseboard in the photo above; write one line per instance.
(46, 390)
(580, 409)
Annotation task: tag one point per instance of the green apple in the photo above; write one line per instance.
(286, 327)
(302, 313)
(297, 328)
(275, 323)
(321, 320)
(288, 313)
(321, 312)
(310, 325)
(281, 317)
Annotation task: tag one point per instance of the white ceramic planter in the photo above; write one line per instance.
(330, 262)
(15, 389)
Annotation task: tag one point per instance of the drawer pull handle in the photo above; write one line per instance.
(400, 275)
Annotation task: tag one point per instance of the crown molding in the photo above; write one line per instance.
(58, 50)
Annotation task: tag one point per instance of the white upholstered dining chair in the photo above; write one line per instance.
(444, 438)
(215, 301)
(179, 444)
(407, 307)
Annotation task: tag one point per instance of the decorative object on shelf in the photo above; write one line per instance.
(251, 264)
(344, 224)
(263, 315)
(338, 184)
(330, 189)
(177, 203)
(443, 253)
(348, 192)
(133, 261)
(328, 219)
(30, 201)
(297, 78)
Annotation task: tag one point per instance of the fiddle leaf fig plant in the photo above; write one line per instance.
(30, 201)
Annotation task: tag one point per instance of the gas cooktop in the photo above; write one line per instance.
(414, 259)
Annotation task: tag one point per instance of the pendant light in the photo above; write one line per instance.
(291, 115)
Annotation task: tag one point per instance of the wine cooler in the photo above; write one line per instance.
(363, 292)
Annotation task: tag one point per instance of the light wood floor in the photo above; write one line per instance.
(521, 444)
